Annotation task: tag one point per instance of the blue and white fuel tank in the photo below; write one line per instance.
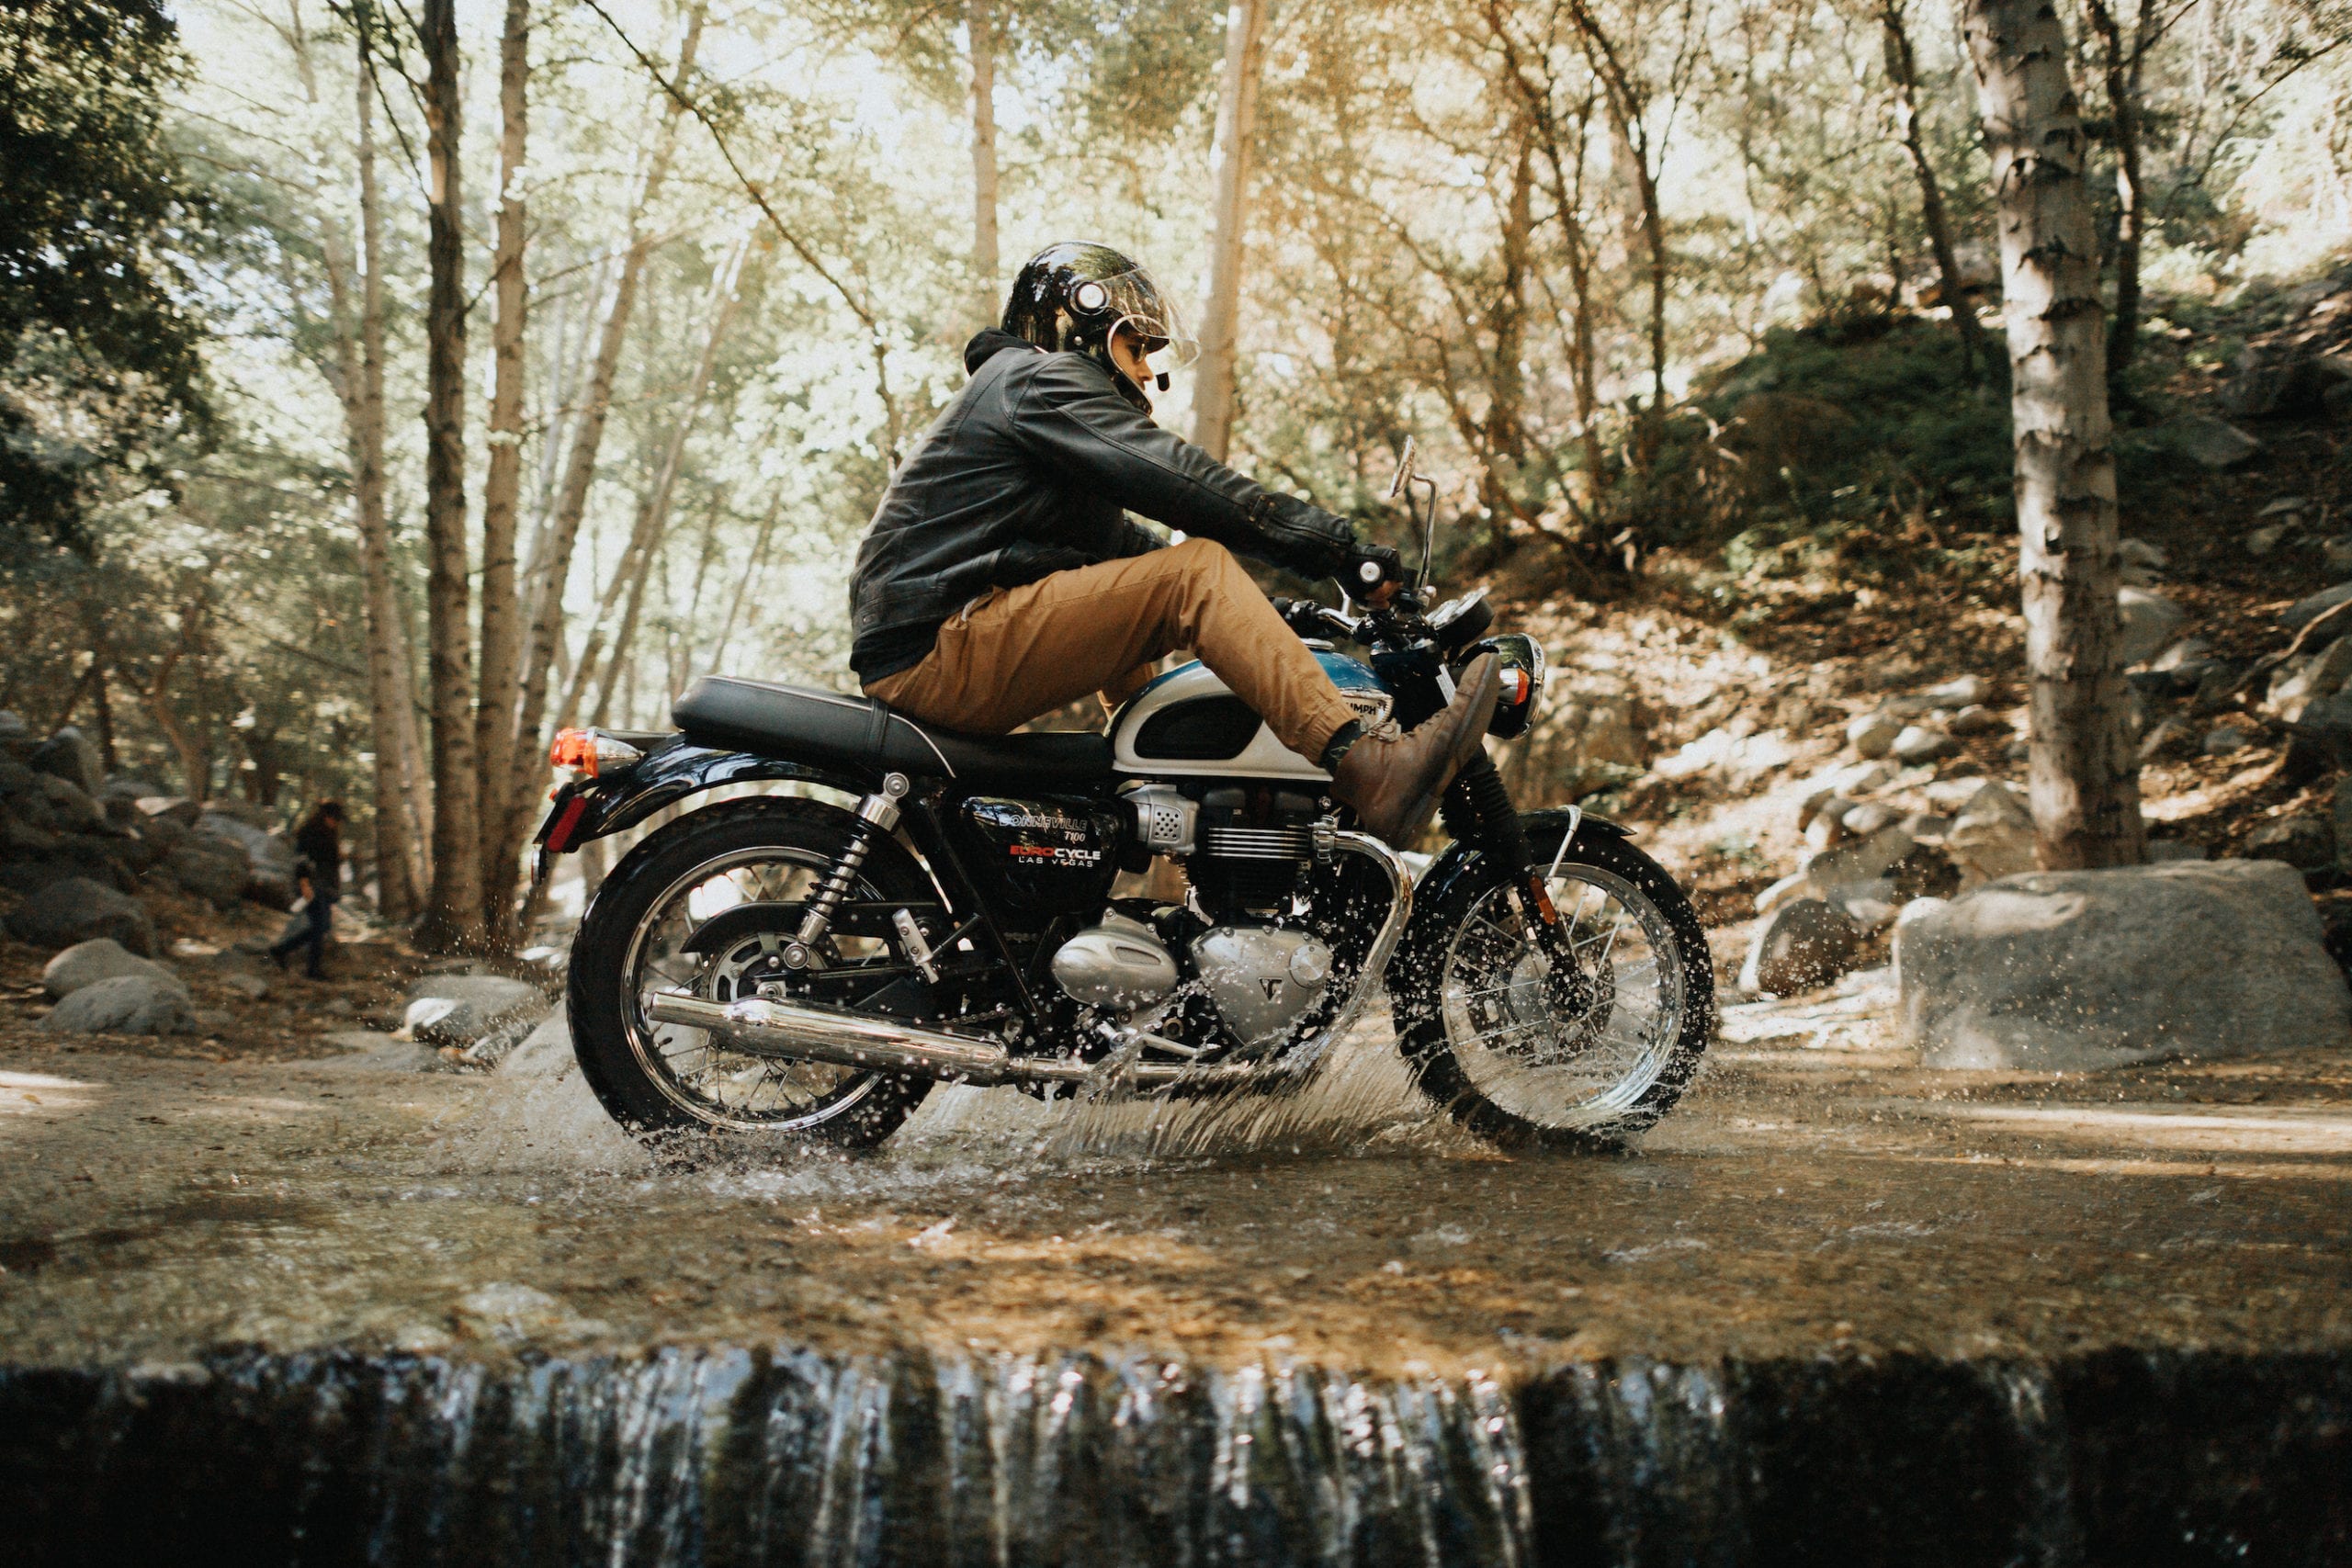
(1188, 724)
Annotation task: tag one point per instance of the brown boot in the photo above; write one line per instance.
(1394, 785)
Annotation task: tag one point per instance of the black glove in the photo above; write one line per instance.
(1369, 566)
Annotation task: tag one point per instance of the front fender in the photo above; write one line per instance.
(593, 807)
(1457, 859)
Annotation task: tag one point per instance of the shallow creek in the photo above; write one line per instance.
(1832, 1307)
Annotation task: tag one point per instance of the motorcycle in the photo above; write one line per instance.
(910, 906)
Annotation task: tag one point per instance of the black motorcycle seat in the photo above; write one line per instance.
(828, 728)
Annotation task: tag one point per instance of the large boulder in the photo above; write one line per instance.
(76, 910)
(213, 869)
(2315, 606)
(73, 811)
(2088, 969)
(87, 963)
(1802, 944)
(269, 860)
(128, 1004)
(72, 756)
(484, 1013)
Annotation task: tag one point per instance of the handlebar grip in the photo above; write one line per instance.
(1369, 574)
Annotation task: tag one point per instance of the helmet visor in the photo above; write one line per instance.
(1138, 304)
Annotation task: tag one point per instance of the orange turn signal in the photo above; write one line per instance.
(591, 751)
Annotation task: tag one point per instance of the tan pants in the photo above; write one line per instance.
(1019, 652)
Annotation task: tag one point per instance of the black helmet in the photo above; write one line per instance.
(1070, 296)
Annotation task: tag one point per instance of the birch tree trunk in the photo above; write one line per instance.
(494, 739)
(392, 691)
(563, 539)
(453, 908)
(980, 22)
(1236, 128)
(2085, 777)
(1902, 79)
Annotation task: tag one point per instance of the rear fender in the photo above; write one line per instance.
(593, 807)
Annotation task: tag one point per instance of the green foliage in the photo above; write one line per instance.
(97, 348)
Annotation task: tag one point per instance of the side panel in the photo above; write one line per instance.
(1263, 757)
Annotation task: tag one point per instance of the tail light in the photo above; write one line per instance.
(590, 751)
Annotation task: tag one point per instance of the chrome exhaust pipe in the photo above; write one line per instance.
(770, 1028)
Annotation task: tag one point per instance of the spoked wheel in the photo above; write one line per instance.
(708, 906)
(1583, 1037)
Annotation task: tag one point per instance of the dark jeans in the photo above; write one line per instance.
(320, 913)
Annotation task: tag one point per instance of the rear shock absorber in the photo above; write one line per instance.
(876, 815)
(1477, 810)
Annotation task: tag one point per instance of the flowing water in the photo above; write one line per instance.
(300, 1315)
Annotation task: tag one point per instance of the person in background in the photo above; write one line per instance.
(318, 869)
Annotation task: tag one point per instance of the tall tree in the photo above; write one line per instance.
(561, 536)
(359, 387)
(1903, 82)
(453, 908)
(979, 21)
(501, 627)
(2084, 772)
(1237, 130)
(2121, 59)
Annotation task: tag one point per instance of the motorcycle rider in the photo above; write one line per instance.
(1000, 577)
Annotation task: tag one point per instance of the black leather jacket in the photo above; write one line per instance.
(1030, 470)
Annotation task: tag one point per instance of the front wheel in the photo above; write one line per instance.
(1582, 1040)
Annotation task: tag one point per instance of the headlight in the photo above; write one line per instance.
(1522, 661)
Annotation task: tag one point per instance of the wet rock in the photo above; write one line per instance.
(1800, 945)
(545, 1053)
(515, 1314)
(128, 1004)
(210, 868)
(87, 963)
(2209, 442)
(1992, 837)
(72, 756)
(1918, 744)
(2312, 608)
(485, 1014)
(2305, 842)
(2089, 969)
(75, 910)
(1872, 734)
(2149, 622)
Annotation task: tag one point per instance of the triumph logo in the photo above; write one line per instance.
(1272, 985)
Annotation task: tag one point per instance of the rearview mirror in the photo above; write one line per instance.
(1404, 470)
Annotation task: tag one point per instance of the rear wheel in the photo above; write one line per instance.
(684, 911)
(1579, 1041)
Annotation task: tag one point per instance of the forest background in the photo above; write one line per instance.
(389, 383)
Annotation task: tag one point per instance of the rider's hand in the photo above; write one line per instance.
(1372, 572)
